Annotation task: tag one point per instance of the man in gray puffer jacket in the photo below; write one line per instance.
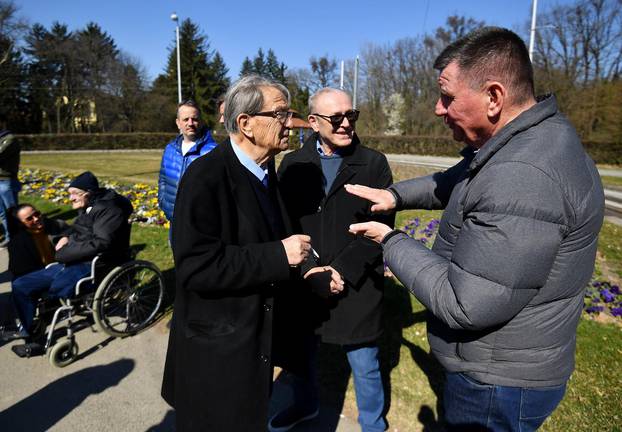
(505, 279)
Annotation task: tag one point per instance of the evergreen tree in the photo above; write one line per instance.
(247, 67)
(203, 72)
(52, 72)
(265, 66)
(12, 70)
(274, 69)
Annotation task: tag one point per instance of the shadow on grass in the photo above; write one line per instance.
(46, 407)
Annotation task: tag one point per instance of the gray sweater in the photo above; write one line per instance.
(505, 279)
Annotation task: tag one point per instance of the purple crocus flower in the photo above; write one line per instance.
(615, 290)
(607, 296)
(616, 311)
(594, 309)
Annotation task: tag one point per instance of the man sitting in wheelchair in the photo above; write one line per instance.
(101, 228)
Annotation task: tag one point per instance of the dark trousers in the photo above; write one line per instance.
(57, 280)
(473, 406)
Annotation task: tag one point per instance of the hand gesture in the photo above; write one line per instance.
(372, 230)
(297, 248)
(325, 281)
(383, 200)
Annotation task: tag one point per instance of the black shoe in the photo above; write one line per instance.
(290, 417)
(28, 349)
(7, 335)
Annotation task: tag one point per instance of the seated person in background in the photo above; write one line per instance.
(31, 248)
(101, 227)
(32, 240)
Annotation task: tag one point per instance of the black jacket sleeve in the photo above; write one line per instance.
(107, 221)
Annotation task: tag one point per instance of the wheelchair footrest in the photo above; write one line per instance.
(28, 349)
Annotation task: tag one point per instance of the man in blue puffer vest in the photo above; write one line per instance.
(191, 143)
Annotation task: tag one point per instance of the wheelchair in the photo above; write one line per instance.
(122, 300)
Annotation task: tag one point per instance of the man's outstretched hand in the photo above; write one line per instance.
(372, 230)
(382, 199)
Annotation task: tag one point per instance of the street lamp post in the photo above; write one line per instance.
(175, 18)
(532, 38)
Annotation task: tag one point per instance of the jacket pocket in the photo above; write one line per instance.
(208, 329)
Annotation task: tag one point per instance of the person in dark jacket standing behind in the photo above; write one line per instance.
(192, 142)
(232, 255)
(311, 180)
(505, 279)
(9, 185)
(101, 227)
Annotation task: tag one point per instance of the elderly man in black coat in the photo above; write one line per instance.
(232, 256)
(311, 180)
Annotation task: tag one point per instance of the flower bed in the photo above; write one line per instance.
(603, 297)
(600, 296)
(53, 186)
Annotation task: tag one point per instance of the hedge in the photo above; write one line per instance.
(601, 152)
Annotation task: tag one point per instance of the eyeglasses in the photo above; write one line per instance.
(282, 116)
(337, 119)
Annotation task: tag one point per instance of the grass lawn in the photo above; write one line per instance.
(594, 397)
(612, 182)
(127, 167)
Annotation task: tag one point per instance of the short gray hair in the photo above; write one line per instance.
(188, 103)
(245, 97)
(313, 98)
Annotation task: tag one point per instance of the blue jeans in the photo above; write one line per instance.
(368, 387)
(57, 280)
(473, 406)
(8, 199)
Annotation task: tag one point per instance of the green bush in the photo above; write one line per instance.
(601, 152)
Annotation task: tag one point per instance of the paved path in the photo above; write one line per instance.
(613, 197)
(113, 386)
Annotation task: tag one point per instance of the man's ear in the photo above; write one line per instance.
(244, 125)
(313, 122)
(496, 94)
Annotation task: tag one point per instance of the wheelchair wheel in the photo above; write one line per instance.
(128, 298)
(63, 352)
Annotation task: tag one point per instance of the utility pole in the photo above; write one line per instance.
(175, 18)
(532, 38)
(356, 81)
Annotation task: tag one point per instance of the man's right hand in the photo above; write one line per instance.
(297, 248)
(323, 285)
(382, 199)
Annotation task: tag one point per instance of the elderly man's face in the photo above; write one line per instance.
(269, 132)
(188, 121)
(30, 217)
(463, 109)
(79, 198)
(333, 134)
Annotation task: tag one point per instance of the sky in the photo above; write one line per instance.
(295, 30)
